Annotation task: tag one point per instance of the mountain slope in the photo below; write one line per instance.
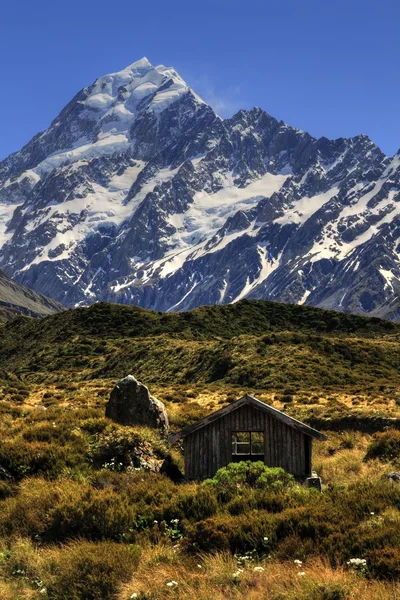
(16, 299)
(139, 193)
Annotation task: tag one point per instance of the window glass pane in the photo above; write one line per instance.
(246, 442)
(243, 447)
(241, 442)
(257, 442)
(243, 436)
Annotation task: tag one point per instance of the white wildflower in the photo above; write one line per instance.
(301, 574)
(172, 584)
(357, 562)
(43, 591)
(199, 566)
(372, 513)
(258, 569)
(298, 562)
(135, 595)
(265, 539)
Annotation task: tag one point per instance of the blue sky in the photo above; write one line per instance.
(328, 67)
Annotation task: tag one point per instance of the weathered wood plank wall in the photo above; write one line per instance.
(210, 448)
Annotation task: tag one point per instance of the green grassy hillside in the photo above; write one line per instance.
(77, 521)
(320, 363)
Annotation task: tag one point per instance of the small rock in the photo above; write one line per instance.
(394, 476)
(39, 408)
(4, 474)
(314, 482)
(132, 404)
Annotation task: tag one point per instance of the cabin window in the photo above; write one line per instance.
(248, 444)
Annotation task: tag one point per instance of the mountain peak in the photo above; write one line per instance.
(142, 63)
(129, 87)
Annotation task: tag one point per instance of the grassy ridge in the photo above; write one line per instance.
(329, 363)
(251, 317)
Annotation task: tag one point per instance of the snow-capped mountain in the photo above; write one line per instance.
(139, 193)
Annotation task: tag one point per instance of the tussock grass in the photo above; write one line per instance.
(218, 577)
(78, 521)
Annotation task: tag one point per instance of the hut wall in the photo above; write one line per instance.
(210, 448)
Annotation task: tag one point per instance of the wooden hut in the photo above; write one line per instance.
(247, 429)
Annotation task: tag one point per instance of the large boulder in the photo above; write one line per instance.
(132, 404)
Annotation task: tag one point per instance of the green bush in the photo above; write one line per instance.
(247, 473)
(122, 447)
(253, 531)
(195, 506)
(27, 514)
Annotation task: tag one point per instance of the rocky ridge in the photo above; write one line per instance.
(16, 299)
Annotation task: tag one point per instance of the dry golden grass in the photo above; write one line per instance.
(220, 577)
(340, 459)
(205, 577)
(16, 591)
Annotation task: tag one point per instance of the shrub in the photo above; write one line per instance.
(384, 563)
(93, 514)
(247, 473)
(21, 457)
(123, 446)
(94, 425)
(253, 531)
(50, 432)
(92, 570)
(27, 514)
(286, 398)
(197, 506)
(385, 446)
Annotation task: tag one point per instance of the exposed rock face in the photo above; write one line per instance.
(16, 299)
(132, 404)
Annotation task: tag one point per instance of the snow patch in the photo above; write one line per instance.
(388, 277)
(209, 212)
(304, 208)
(267, 266)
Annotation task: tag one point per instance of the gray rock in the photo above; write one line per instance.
(132, 404)
(39, 408)
(394, 476)
(4, 474)
(314, 482)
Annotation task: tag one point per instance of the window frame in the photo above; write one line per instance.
(248, 442)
